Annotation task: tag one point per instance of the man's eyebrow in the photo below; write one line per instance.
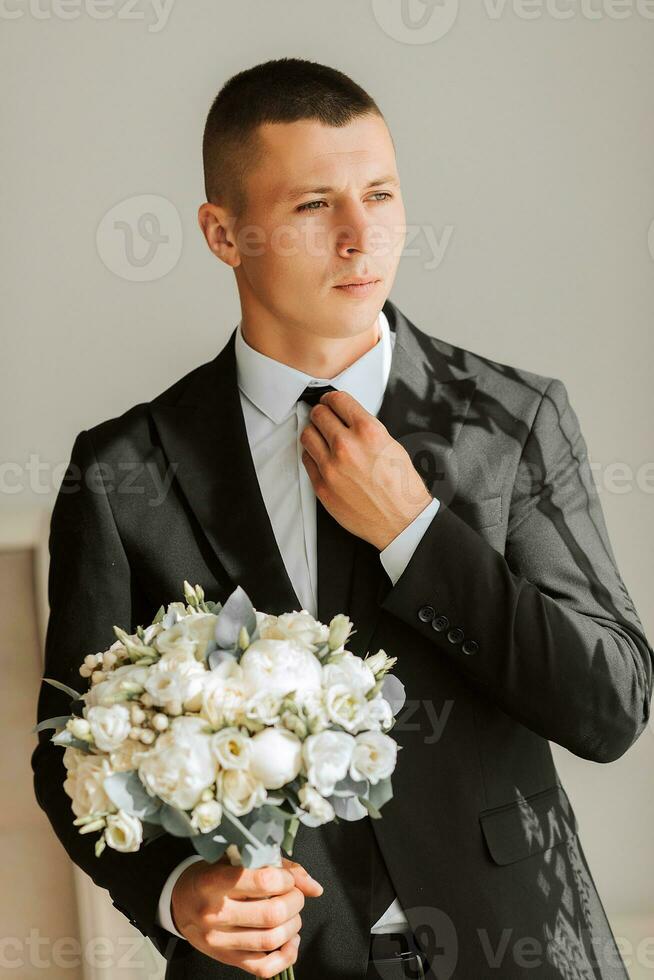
(295, 192)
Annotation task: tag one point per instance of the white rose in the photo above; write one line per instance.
(124, 832)
(275, 757)
(128, 679)
(109, 726)
(346, 707)
(379, 714)
(239, 791)
(189, 637)
(263, 708)
(207, 816)
(374, 757)
(327, 759)
(176, 680)
(313, 707)
(231, 748)
(279, 667)
(351, 671)
(180, 765)
(298, 626)
(318, 809)
(84, 784)
(224, 694)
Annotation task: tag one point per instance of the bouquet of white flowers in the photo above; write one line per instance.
(228, 726)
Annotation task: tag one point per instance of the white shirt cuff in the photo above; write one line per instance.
(165, 915)
(397, 555)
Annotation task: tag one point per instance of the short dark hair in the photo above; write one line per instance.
(279, 91)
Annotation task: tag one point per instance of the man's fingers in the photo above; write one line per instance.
(303, 879)
(269, 964)
(258, 913)
(260, 882)
(255, 940)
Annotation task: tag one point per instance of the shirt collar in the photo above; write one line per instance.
(275, 387)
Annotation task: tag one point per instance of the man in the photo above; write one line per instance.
(442, 500)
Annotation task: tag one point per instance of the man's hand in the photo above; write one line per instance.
(244, 918)
(362, 476)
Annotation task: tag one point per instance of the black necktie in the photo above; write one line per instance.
(360, 833)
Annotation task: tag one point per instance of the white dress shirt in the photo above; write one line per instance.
(274, 419)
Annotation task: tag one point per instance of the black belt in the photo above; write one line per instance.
(394, 954)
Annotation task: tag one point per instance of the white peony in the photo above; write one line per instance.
(318, 809)
(124, 832)
(347, 707)
(298, 626)
(207, 816)
(84, 784)
(327, 759)
(374, 757)
(280, 667)
(109, 726)
(231, 748)
(275, 757)
(181, 763)
(351, 671)
(128, 679)
(126, 756)
(239, 791)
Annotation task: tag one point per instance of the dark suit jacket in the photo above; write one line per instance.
(511, 624)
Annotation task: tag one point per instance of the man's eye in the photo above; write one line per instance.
(310, 205)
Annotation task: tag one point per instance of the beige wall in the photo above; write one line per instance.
(526, 151)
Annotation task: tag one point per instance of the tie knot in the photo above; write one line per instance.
(312, 394)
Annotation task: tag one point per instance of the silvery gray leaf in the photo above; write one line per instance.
(176, 822)
(58, 722)
(237, 612)
(68, 739)
(393, 691)
(128, 793)
(380, 793)
(351, 787)
(63, 687)
(268, 831)
(348, 808)
(210, 846)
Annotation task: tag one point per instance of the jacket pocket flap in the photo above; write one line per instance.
(528, 825)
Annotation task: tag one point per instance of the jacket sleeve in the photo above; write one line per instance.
(548, 630)
(89, 590)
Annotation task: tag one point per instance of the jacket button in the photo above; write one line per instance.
(440, 623)
(470, 646)
(426, 613)
(455, 635)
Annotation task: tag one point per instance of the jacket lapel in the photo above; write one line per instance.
(203, 434)
(425, 403)
(204, 437)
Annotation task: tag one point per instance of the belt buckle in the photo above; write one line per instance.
(408, 956)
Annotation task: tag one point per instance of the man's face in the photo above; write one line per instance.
(297, 240)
